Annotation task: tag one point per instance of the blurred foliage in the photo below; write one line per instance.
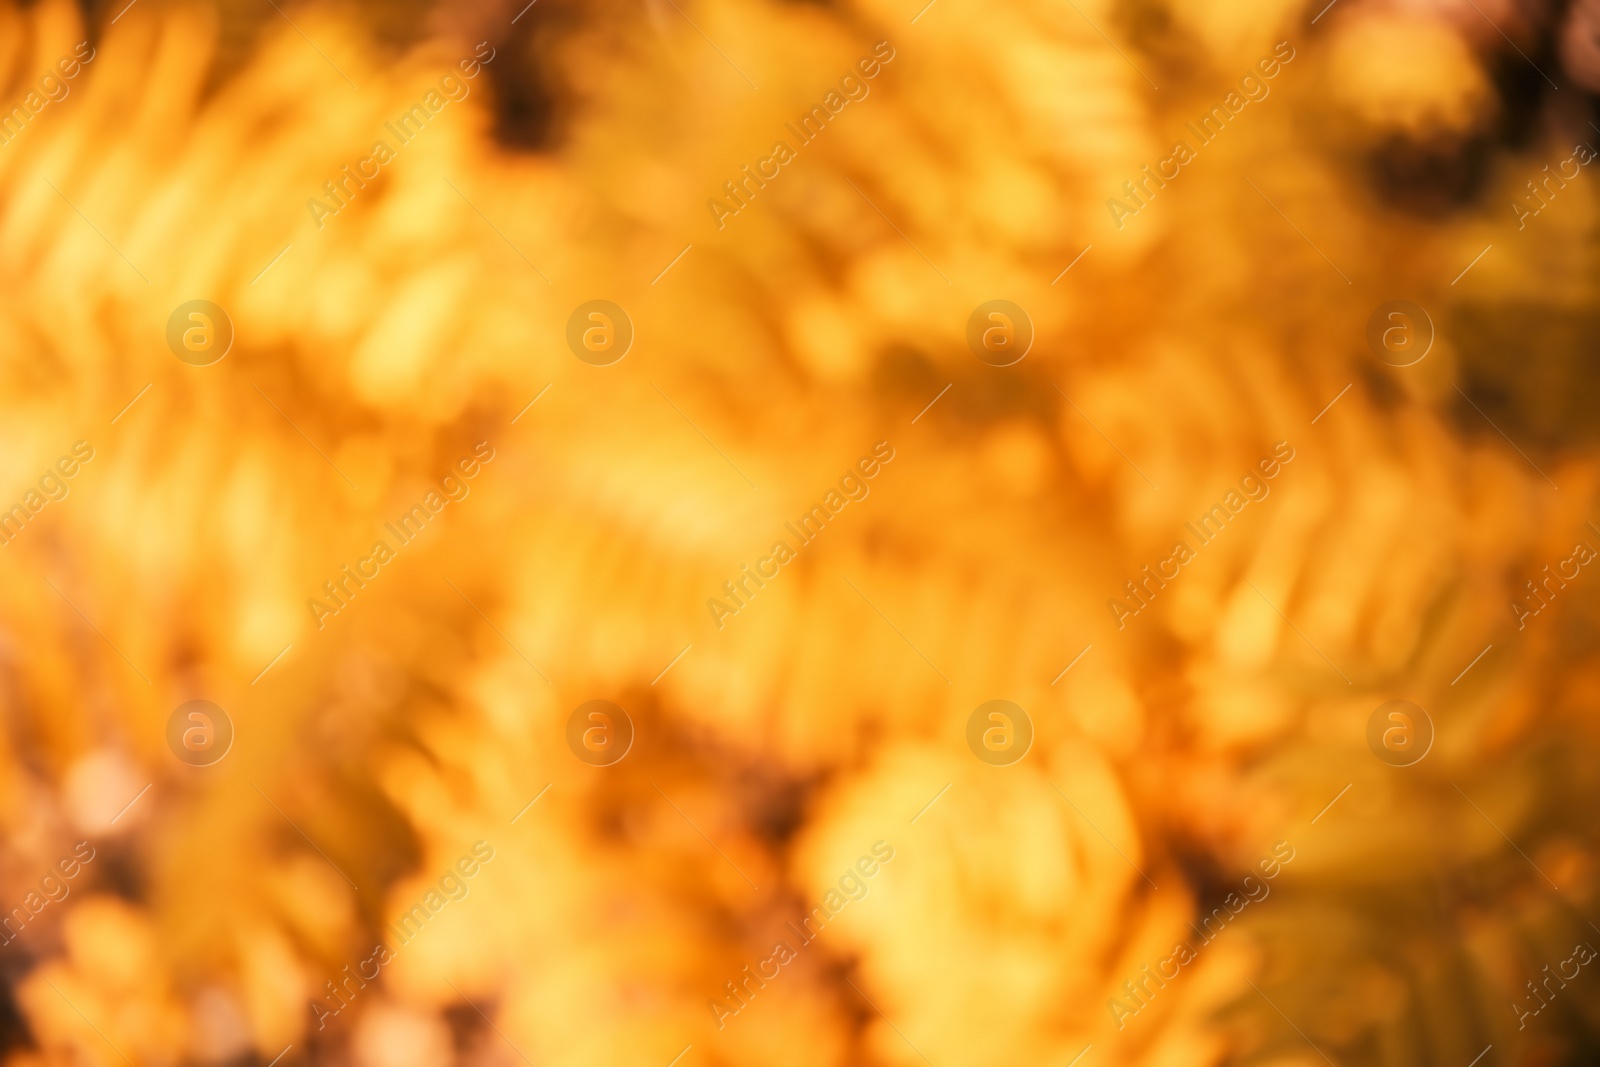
(430, 713)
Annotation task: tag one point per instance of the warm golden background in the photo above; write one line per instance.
(424, 717)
